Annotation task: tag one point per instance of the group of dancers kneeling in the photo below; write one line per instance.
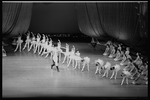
(132, 69)
(43, 45)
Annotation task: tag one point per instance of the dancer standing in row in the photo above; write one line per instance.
(66, 54)
(28, 41)
(19, 43)
(33, 41)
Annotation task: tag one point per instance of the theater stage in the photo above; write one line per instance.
(29, 75)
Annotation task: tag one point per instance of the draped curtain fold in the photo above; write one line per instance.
(15, 18)
(119, 21)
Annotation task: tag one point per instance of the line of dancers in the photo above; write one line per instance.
(43, 45)
(132, 69)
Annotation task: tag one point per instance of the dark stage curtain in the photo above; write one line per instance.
(15, 18)
(119, 21)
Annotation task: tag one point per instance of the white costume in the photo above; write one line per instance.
(71, 57)
(19, 42)
(55, 57)
(59, 48)
(46, 47)
(112, 52)
(128, 72)
(125, 56)
(107, 68)
(77, 59)
(99, 64)
(37, 47)
(66, 54)
(42, 44)
(118, 54)
(115, 69)
(28, 41)
(106, 50)
(33, 41)
(86, 62)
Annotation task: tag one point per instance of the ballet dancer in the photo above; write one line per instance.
(48, 49)
(77, 59)
(115, 69)
(59, 47)
(48, 46)
(37, 44)
(28, 41)
(121, 57)
(128, 59)
(19, 42)
(86, 62)
(99, 65)
(142, 71)
(33, 41)
(145, 73)
(138, 60)
(128, 72)
(112, 52)
(42, 44)
(107, 68)
(118, 53)
(55, 57)
(125, 56)
(71, 56)
(126, 75)
(107, 48)
(66, 54)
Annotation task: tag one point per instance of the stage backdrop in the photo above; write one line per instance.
(54, 18)
(125, 22)
(15, 18)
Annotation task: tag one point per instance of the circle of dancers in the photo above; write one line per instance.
(130, 69)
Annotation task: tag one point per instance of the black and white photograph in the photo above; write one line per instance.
(75, 49)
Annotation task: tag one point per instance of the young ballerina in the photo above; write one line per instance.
(128, 72)
(118, 53)
(59, 47)
(108, 44)
(99, 65)
(138, 59)
(28, 41)
(107, 68)
(42, 44)
(19, 43)
(47, 48)
(37, 44)
(71, 57)
(145, 72)
(112, 53)
(86, 62)
(115, 69)
(66, 54)
(33, 41)
(77, 59)
(126, 55)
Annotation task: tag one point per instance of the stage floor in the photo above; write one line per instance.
(25, 74)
